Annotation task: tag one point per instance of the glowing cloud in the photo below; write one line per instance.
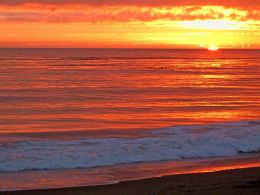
(89, 23)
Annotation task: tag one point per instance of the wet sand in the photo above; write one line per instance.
(239, 181)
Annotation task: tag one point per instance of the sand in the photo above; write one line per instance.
(239, 181)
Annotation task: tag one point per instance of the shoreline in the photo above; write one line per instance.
(243, 181)
(107, 175)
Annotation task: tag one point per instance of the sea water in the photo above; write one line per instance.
(67, 109)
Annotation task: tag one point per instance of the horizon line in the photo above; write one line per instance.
(165, 48)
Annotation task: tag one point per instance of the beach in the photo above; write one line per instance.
(238, 181)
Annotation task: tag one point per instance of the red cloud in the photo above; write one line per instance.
(125, 11)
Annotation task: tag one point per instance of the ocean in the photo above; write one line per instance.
(79, 110)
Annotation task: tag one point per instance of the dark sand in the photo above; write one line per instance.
(240, 181)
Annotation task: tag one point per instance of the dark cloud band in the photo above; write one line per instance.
(228, 3)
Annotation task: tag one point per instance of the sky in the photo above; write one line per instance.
(130, 23)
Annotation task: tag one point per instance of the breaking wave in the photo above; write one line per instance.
(179, 142)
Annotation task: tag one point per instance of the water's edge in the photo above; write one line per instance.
(30, 180)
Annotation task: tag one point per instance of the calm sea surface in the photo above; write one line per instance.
(43, 90)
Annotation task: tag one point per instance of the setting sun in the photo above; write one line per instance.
(213, 48)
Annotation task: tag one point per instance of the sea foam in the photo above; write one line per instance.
(197, 141)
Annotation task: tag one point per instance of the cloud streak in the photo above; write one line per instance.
(127, 14)
(93, 11)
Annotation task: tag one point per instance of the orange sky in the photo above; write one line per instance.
(125, 23)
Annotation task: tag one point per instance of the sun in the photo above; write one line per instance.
(213, 48)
